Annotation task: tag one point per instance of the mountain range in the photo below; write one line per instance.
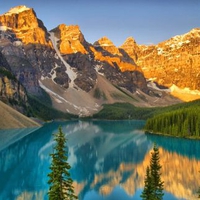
(62, 70)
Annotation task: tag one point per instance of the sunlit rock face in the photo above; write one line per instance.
(25, 43)
(107, 45)
(130, 76)
(130, 46)
(73, 47)
(24, 23)
(107, 51)
(102, 57)
(71, 39)
(174, 61)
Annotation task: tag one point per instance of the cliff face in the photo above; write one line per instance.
(26, 45)
(25, 25)
(11, 90)
(118, 66)
(103, 57)
(173, 62)
(71, 40)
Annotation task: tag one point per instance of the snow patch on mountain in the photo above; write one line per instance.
(184, 90)
(17, 10)
(72, 75)
(4, 28)
(70, 100)
(151, 84)
(185, 94)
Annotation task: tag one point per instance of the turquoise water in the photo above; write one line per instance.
(108, 160)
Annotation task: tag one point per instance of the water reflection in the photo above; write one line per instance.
(108, 160)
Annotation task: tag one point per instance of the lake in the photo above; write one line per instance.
(108, 160)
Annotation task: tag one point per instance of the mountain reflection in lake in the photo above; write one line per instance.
(108, 159)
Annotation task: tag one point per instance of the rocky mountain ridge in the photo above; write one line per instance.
(78, 76)
(174, 63)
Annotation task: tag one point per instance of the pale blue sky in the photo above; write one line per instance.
(148, 21)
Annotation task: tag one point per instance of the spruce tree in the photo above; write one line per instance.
(61, 187)
(148, 191)
(153, 186)
(155, 167)
(198, 192)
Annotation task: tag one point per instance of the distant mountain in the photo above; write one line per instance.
(174, 63)
(79, 77)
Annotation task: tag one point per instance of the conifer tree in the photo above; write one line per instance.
(198, 192)
(155, 168)
(148, 190)
(153, 188)
(61, 187)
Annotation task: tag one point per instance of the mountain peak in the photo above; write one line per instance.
(25, 25)
(71, 39)
(17, 10)
(69, 27)
(195, 32)
(104, 41)
(129, 40)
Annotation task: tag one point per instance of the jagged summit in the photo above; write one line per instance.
(17, 10)
(129, 41)
(104, 41)
(130, 46)
(71, 39)
(107, 45)
(24, 24)
(179, 40)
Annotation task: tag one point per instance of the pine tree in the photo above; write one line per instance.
(153, 186)
(61, 187)
(155, 168)
(198, 192)
(148, 190)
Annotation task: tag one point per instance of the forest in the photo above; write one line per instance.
(183, 121)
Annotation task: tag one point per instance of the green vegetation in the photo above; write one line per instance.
(183, 121)
(61, 187)
(7, 73)
(98, 94)
(119, 111)
(45, 111)
(126, 93)
(153, 186)
(198, 193)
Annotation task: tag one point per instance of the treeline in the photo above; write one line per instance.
(121, 111)
(45, 111)
(183, 122)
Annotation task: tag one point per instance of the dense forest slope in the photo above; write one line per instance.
(183, 121)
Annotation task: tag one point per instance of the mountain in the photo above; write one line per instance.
(79, 77)
(11, 90)
(173, 63)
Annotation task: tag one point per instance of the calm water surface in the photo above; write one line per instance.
(108, 159)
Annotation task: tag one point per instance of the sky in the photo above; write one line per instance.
(147, 21)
